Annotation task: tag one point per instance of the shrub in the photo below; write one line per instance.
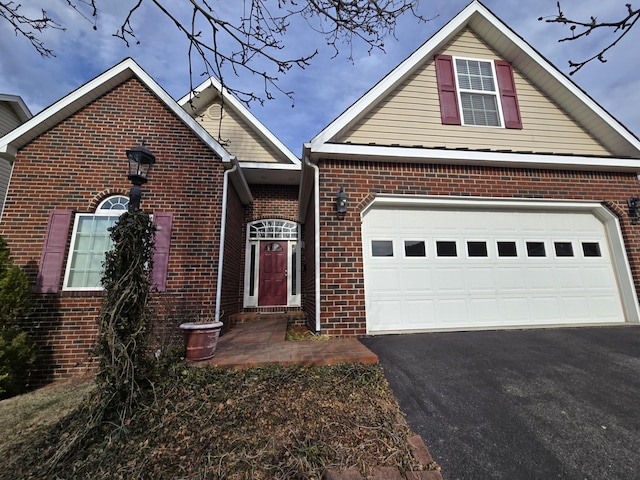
(17, 349)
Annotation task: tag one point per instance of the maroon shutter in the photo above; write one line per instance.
(162, 221)
(508, 97)
(52, 258)
(445, 75)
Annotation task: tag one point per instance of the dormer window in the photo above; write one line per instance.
(477, 92)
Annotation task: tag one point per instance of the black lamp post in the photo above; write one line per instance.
(140, 162)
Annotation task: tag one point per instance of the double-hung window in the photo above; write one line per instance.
(90, 242)
(478, 92)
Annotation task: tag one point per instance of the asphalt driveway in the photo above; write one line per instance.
(514, 404)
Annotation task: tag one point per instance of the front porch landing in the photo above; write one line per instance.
(262, 342)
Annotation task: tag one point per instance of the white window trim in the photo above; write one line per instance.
(496, 93)
(98, 212)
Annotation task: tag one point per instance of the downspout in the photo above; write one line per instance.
(316, 202)
(223, 228)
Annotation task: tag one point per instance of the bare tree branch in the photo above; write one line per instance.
(251, 44)
(581, 29)
(30, 27)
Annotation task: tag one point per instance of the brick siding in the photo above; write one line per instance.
(342, 278)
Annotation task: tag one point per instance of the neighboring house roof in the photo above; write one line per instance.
(286, 168)
(17, 107)
(70, 104)
(603, 127)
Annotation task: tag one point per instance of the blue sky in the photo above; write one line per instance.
(327, 87)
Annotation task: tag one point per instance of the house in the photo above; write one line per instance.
(485, 190)
(475, 186)
(13, 112)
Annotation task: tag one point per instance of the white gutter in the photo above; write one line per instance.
(316, 197)
(223, 228)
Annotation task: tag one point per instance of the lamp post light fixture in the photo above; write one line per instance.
(140, 162)
(634, 209)
(341, 201)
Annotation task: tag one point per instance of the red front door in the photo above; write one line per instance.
(272, 287)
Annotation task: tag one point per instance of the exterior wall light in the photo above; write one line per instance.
(341, 201)
(634, 209)
(140, 162)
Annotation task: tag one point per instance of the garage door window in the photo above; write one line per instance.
(536, 249)
(414, 248)
(563, 249)
(591, 249)
(446, 249)
(507, 249)
(382, 248)
(477, 249)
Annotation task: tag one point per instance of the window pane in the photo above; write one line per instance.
(536, 249)
(563, 249)
(446, 249)
(414, 248)
(294, 271)
(382, 248)
(475, 75)
(480, 109)
(591, 249)
(507, 249)
(477, 249)
(252, 271)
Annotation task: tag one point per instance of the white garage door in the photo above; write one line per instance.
(459, 268)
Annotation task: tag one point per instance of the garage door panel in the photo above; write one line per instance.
(451, 312)
(416, 280)
(417, 312)
(497, 289)
(385, 279)
(509, 279)
(569, 278)
(449, 280)
(480, 280)
(514, 310)
(484, 311)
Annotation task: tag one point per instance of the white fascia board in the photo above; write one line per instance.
(91, 90)
(256, 124)
(270, 166)
(477, 158)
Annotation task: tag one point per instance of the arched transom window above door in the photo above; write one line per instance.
(273, 229)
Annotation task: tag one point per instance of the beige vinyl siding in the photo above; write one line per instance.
(236, 136)
(410, 116)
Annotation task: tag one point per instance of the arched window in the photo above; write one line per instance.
(89, 243)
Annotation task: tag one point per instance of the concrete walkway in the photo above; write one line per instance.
(262, 342)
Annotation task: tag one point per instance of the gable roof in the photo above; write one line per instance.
(256, 172)
(553, 83)
(73, 102)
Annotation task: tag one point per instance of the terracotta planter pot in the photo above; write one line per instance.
(201, 339)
